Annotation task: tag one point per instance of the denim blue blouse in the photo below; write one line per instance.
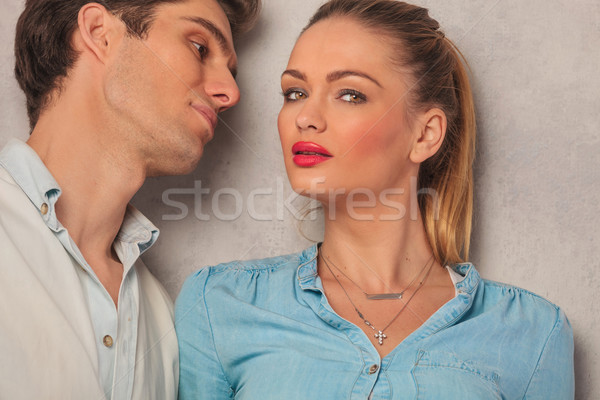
(264, 329)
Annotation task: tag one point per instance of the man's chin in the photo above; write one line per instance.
(182, 165)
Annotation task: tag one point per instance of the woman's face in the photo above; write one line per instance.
(343, 122)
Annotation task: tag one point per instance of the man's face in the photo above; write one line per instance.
(165, 91)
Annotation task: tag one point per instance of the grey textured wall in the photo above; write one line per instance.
(535, 75)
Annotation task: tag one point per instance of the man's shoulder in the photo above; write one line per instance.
(6, 179)
(15, 206)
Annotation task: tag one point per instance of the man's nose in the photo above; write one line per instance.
(221, 87)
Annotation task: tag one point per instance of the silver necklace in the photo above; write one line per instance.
(375, 274)
(380, 335)
(378, 296)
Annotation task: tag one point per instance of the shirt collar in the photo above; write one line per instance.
(138, 229)
(466, 281)
(30, 173)
(34, 178)
(307, 270)
(470, 278)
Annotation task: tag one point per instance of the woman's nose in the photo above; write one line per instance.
(310, 117)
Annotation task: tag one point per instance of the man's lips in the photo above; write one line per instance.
(308, 154)
(207, 113)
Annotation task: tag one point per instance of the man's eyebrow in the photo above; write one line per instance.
(294, 73)
(334, 76)
(218, 34)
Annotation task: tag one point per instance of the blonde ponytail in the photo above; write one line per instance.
(450, 174)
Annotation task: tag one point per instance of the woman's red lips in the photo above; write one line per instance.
(307, 154)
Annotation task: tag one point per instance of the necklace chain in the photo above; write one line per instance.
(366, 265)
(380, 335)
(378, 296)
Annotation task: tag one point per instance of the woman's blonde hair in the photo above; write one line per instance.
(440, 80)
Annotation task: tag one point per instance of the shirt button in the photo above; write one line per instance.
(108, 341)
(44, 209)
(374, 368)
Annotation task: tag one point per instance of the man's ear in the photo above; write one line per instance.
(98, 30)
(430, 134)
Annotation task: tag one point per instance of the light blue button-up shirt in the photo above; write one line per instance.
(264, 329)
(116, 363)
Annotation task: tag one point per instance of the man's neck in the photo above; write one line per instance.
(97, 182)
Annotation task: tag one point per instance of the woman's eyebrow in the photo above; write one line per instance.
(336, 75)
(332, 76)
(294, 73)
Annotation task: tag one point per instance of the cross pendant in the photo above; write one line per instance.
(380, 336)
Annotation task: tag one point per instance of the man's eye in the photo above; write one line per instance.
(294, 95)
(202, 49)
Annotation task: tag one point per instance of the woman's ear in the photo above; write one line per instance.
(430, 132)
(98, 31)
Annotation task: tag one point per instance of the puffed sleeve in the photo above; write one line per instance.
(553, 377)
(201, 373)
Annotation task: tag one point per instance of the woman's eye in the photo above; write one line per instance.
(202, 49)
(352, 96)
(294, 95)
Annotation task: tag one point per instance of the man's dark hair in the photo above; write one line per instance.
(43, 49)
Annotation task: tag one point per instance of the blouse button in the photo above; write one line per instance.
(373, 369)
(44, 209)
(108, 341)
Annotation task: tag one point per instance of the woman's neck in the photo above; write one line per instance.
(376, 254)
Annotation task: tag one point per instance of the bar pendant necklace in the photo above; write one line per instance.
(384, 296)
(378, 296)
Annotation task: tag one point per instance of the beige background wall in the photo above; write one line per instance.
(535, 75)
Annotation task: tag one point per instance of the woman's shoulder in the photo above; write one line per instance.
(510, 304)
(240, 273)
(530, 338)
(498, 292)
(490, 292)
(278, 262)
(285, 262)
(505, 331)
